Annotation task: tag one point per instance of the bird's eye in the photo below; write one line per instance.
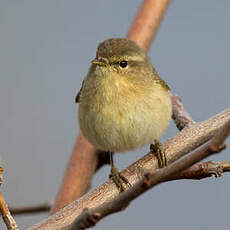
(123, 64)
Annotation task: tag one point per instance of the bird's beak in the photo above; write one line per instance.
(100, 62)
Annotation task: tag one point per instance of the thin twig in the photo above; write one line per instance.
(203, 170)
(8, 219)
(180, 115)
(184, 142)
(89, 218)
(30, 209)
(6, 215)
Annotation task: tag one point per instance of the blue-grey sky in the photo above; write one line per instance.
(45, 51)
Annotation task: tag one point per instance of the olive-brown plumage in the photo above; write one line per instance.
(123, 103)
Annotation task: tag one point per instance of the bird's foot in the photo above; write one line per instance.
(119, 179)
(157, 150)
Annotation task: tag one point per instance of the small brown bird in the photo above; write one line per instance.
(123, 103)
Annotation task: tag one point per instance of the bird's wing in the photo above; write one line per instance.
(77, 98)
(159, 80)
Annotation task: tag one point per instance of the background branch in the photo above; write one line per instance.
(78, 174)
(30, 209)
(147, 21)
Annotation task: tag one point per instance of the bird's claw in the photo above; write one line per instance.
(119, 179)
(157, 150)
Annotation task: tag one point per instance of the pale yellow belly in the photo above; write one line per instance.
(126, 126)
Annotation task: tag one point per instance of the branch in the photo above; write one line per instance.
(6, 216)
(84, 158)
(196, 172)
(180, 115)
(203, 170)
(147, 21)
(88, 218)
(78, 174)
(184, 142)
(30, 209)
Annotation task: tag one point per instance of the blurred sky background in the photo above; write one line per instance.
(45, 51)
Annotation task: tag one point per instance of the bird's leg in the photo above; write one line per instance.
(159, 153)
(116, 176)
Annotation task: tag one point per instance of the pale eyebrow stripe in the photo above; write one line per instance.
(128, 58)
(135, 58)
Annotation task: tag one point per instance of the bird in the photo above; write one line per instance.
(123, 103)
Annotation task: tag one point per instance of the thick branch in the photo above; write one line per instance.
(186, 141)
(84, 158)
(195, 172)
(89, 218)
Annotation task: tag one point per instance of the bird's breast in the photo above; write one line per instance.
(122, 118)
